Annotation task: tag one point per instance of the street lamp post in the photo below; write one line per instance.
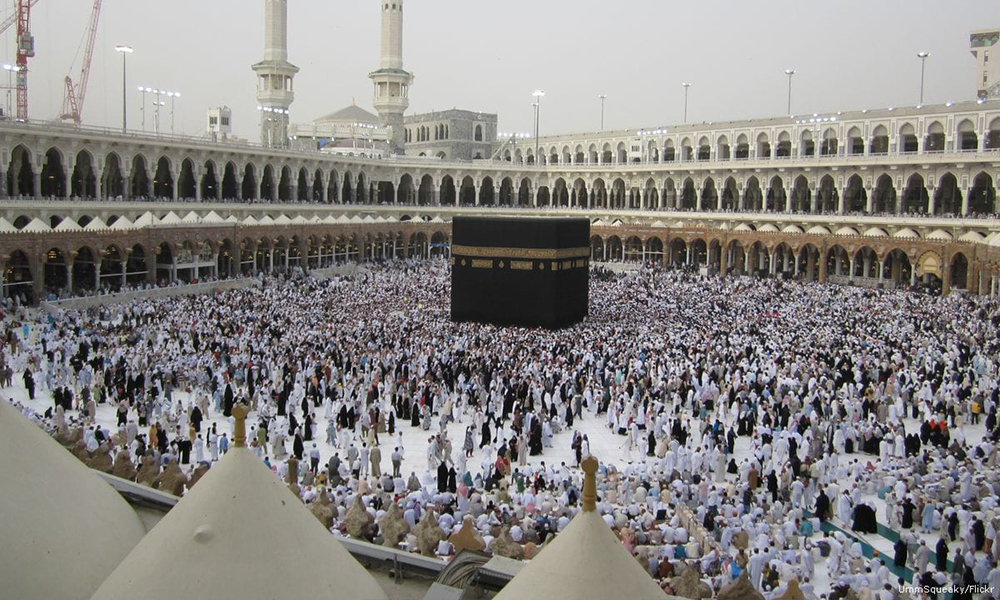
(923, 60)
(538, 94)
(173, 100)
(603, 97)
(125, 51)
(11, 69)
(687, 86)
(789, 72)
(143, 108)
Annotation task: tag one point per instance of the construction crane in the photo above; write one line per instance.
(6, 23)
(25, 50)
(75, 95)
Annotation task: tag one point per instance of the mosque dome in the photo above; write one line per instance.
(65, 529)
(350, 114)
(586, 560)
(240, 533)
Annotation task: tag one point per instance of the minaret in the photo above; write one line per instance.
(392, 83)
(275, 92)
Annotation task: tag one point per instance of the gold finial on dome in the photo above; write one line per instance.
(240, 412)
(589, 466)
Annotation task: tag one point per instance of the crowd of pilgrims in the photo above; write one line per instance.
(770, 408)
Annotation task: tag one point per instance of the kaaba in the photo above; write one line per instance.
(520, 272)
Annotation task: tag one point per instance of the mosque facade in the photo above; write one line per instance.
(876, 197)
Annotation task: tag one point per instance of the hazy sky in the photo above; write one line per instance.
(489, 56)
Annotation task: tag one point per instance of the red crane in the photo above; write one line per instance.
(25, 50)
(75, 95)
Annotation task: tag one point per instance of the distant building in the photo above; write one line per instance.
(220, 124)
(983, 43)
(350, 131)
(451, 134)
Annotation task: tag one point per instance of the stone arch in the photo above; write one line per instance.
(967, 140)
(801, 195)
(828, 197)
(186, 181)
(113, 179)
(855, 197)
(487, 192)
(934, 140)
(53, 174)
(880, 140)
(730, 195)
(426, 192)
(163, 179)
(777, 199)
(267, 184)
(249, 182)
(884, 195)
(689, 196)
(18, 278)
(285, 184)
(506, 195)
(753, 198)
(21, 173)
(83, 181)
(709, 195)
(982, 196)
(947, 197)
(210, 188)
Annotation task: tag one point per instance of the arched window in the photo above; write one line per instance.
(479, 133)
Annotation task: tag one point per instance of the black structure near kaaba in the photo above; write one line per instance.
(527, 272)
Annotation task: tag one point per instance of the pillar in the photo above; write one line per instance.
(931, 201)
(841, 203)
(822, 266)
(853, 260)
(965, 201)
(723, 262)
(37, 178)
(97, 274)
(869, 203)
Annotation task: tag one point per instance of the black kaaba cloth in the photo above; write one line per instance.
(524, 272)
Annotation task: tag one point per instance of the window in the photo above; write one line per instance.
(479, 133)
(212, 120)
(225, 120)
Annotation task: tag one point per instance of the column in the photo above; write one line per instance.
(174, 176)
(37, 178)
(260, 183)
(965, 201)
(852, 268)
(822, 266)
(68, 181)
(841, 202)
(723, 262)
(881, 271)
(324, 194)
(70, 261)
(772, 262)
(97, 274)
(869, 203)
(931, 201)
(3, 182)
(699, 191)
(867, 264)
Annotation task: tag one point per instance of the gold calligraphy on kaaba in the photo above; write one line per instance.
(482, 264)
(521, 253)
